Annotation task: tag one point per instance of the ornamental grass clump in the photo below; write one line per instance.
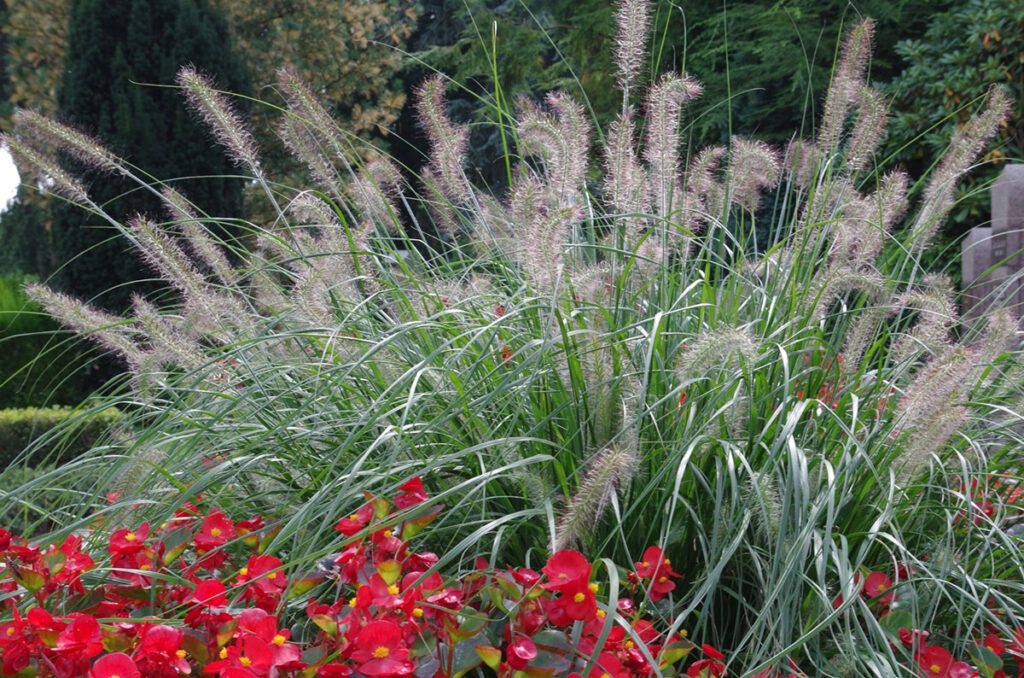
(606, 357)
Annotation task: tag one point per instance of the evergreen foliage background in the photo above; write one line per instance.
(117, 52)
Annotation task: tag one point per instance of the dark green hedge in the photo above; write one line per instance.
(41, 364)
(19, 428)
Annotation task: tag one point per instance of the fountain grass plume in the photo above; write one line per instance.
(632, 20)
(221, 118)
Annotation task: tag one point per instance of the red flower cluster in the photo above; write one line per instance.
(990, 655)
(198, 594)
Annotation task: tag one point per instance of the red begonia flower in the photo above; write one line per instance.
(380, 650)
(566, 568)
(116, 665)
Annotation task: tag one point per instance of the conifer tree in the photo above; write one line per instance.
(121, 56)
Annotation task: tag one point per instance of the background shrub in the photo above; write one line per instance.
(41, 365)
(47, 437)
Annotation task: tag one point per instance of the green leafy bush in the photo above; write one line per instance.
(41, 365)
(946, 74)
(51, 435)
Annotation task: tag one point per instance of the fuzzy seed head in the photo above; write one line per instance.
(847, 81)
(710, 350)
(52, 175)
(448, 142)
(631, 18)
(222, 119)
(81, 146)
(562, 139)
(867, 133)
(106, 329)
(803, 162)
(609, 471)
(664, 109)
(753, 167)
(843, 279)
(624, 178)
(964, 149)
(936, 316)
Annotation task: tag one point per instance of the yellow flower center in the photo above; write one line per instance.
(684, 632)
(223, 653)
(645, 564)
(662, 580)
(387, 534)
(667, 561)
(144, 566)
(628, 645)
(272, 575)
(181, 654)
(882, 587)
(935, 668)
(417, 611)
(578, 598)
(278, 640)
(605, 675)
(215, 532)
(243, 572)
(601, 614)
(352, 601)
(10, 630)
(593, 587)
(353, 517)
(129, 537)
(563, 575)
(115, 675)
(244, 661)
(380, 652)
(393, 590)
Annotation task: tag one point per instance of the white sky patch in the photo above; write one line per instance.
(9, 179)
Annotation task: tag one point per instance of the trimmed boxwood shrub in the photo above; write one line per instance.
(41, 365)
(20, 428)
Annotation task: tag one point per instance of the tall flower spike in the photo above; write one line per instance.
(859, 231)
(966, 145)
(53, 176)
(704, 199)
(448, 142)
(562, 140)
(936, 315)
(311, 113)
(867, 133)
(842, 279)
(891, 198)
(847, 80)
(607, 472)
(168, 343)
(81, 146)
(304, 146)
(372, 190)
(203, 245)
(225, 123)
(664, 108)
(725, 344)
(625, 179)
(109, 330)
(802, 160)
(214, 313)
(753, 167)
(631, 18)
(928, 414)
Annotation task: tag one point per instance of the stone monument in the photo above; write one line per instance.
(992, 257)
